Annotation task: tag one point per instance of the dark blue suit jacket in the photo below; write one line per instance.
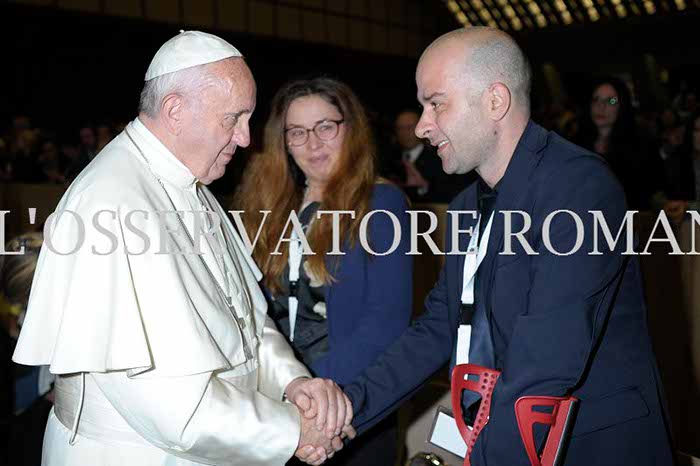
(370, 302)
(572, 324)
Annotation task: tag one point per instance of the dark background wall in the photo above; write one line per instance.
(65, 66)
(68, 66)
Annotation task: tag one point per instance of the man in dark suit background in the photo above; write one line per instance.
(555, 319)
(414, 165)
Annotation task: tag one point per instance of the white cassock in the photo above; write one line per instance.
(155, 367)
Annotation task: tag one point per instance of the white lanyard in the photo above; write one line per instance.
(475, 256)
(295, 252)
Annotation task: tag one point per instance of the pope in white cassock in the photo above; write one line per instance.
(165, 356)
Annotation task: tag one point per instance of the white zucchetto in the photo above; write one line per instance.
(188, 49)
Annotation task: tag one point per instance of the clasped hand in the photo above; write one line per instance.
(326, 413)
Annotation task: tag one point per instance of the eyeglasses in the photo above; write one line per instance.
(325, 130)
(608, 101)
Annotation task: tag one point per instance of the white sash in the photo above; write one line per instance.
(475, 256)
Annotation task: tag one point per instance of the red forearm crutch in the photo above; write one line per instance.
(560, 419)
(484, 386)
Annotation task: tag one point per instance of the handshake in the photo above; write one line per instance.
(326, 413)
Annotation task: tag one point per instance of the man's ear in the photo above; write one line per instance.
(498, 100)
(172, 113)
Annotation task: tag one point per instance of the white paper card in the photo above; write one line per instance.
(446, 435)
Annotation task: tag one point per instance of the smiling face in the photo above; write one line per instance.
(217, 122)
(454, 117)
(317, 158)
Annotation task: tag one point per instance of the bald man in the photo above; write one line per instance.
(570, 324)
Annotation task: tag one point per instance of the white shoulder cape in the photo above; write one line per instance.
(144, 312)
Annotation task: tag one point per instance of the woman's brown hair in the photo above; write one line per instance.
(273, 182)
(16, 275)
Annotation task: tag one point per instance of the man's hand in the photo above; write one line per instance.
(315, 455)
(323, 400)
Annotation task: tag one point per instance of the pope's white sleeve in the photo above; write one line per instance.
(278, 366)
(204, 418)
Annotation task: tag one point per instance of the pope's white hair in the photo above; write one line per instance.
(183, 82)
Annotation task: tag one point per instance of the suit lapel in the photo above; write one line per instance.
(511, 196)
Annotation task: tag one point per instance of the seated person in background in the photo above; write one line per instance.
(88, 142)
(23, 157)
(680, 155)
(609, 130)
(73, 162)
(28, 388)
(49, 163)
(5, 162)
(416, 166)
(338, 311)
(104, 135)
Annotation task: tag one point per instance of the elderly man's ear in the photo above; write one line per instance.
(172, 113)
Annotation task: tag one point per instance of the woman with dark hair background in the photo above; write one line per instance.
(609, 129)
(339, 312)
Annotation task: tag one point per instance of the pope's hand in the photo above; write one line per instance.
(323, 400)
(315, 454)
(314, 446)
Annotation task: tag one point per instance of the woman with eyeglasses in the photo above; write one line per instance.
(609, 129)
(338, 311)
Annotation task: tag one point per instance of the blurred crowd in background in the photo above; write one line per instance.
(654, 152)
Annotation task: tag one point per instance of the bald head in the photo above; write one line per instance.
(474, 86)
(483, 56)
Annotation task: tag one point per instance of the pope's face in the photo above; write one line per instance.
(218, 122)
(454, 117)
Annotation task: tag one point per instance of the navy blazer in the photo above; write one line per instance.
(573, 324)
(370, 302)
